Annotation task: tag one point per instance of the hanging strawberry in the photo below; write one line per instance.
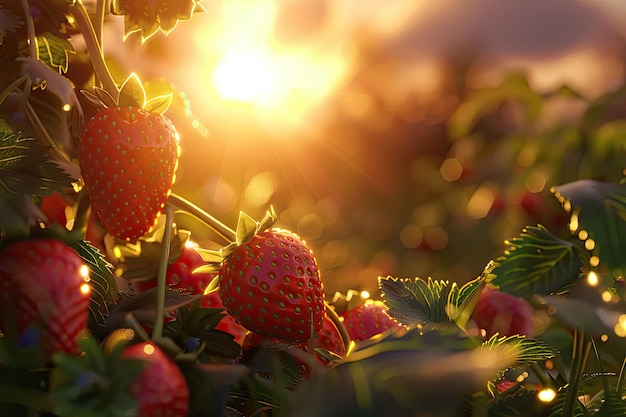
(128, 157)
(271, 285)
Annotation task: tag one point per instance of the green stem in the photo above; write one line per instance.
(545, 381)
(580, 355)
(183, 205)
(95, 50)
(99, 22)
(334, 317)
(157, 331)
(5, 93)
(30, 29)
(621, 379)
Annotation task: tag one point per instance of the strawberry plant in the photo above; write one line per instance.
(110, 308)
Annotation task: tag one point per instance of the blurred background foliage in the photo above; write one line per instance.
(405, 140)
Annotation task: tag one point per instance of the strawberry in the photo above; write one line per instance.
(368, 319)
(272, 286)
(128, 159)
(180, 276)
(498, 312)
(160, 389)
(45, 283)
(53, 207)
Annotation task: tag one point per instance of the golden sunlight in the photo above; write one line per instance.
(243, 75)
(249, 65)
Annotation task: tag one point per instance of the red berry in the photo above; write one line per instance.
(128, 160)
(367, 320)
(160, 389)
(53, 207)
(272, 286)
(43, 280)
(498, 312)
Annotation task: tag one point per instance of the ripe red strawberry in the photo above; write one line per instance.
(44, 282)
(368, 319)
(160, 389)
(128, 159)
(498, 312)
(272, 286)
(180, 276)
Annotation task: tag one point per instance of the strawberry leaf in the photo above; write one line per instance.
(25, 173)
(517, 351)
(102, 281)
(53, 51)
(412, 301)
(537, 262)
(199, 323)
(95, 383)
(598, 216)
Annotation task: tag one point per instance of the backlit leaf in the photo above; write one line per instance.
(537, 262)
(53, 51)
(598, 216)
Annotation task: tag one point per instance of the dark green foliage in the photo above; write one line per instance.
(537, 262)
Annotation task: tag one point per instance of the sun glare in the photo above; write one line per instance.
(248, 65)
(243, 75)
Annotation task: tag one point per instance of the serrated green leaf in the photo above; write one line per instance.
(101, 281)
(415, 301)
(26, 173)
(53, 51)
(598, 213)
(517, 351)
(537, 262)
(132, 92)
(94, 384)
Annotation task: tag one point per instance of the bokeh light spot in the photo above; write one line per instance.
(451, 169)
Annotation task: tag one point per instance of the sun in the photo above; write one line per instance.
(243, 75)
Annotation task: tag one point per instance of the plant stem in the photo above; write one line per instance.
(334, 317)
(185, 206)
(95, 50)
(30, 29)
(157, 331)
(580, 355)
(99, 22)
(621, 378)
